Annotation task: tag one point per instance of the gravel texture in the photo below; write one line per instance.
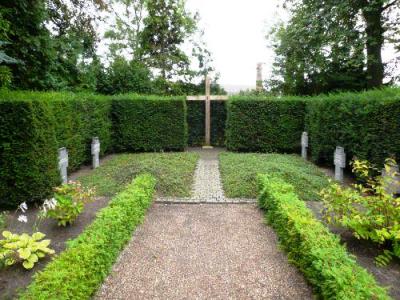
(207, 186)
(204, 251)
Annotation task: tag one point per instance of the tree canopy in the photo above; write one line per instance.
(333, 45)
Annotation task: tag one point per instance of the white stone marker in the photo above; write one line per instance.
(95, 152)
(340, 163)
(63, 164)
(392, 179)
(304, 145)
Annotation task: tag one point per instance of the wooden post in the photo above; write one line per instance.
(208, 113)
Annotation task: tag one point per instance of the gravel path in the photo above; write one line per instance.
(204, 252)
(207, 186)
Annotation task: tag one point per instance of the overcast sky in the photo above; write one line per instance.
(235, 34)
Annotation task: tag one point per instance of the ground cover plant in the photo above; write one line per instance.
(173, 171)
(310, 245)
(239, 172)
(78, 271)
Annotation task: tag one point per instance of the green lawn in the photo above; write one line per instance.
(174, 173)
(239, 173)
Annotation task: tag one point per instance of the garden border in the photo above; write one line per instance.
(310, 245)
(77, 272)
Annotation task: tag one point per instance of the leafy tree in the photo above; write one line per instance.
(31, 43)
(332, 45)
(124, 34)
(74, 38)
(124, 76)
(166, 27)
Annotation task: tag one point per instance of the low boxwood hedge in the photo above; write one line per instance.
(265, 124)
(312, 247)
(78, 272)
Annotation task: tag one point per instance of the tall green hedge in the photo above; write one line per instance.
(196, 122)
(366, 124)
(28, 152)
(265, 124)
(34, 125)
(148, 124)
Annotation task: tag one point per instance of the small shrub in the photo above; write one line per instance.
(370, 210)
(28, 249)
(312, 247)
(78, 271)
(68, 203)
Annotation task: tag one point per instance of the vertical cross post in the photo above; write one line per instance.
(208, 112)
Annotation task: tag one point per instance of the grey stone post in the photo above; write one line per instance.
(391, 179)
(63, 164)
(95, 152)
(304, 145)
(340, 163)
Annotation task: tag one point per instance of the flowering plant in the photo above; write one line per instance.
(68, 202)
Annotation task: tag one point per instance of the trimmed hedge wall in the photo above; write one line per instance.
(78, 271)
(34, 125)
(366, 124)
(196, 122)
(265, 124)
(147, 124)
(312, 247)
(28, 152)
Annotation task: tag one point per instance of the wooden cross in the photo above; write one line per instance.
(207, 98)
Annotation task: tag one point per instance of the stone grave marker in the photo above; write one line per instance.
(391, 178)
(340, 163)
(304, 145)
(95, 152)
(63, 164)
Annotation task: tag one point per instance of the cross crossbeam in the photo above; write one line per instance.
(207, 98)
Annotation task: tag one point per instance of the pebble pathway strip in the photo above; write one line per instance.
(204, 251)
(207, 187)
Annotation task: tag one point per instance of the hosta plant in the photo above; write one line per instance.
(28, 249)
(68, 203)
(369, 209)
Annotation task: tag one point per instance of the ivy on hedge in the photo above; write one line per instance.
(78, 271)
(265, 124)
(312, 247)
(366, 124)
